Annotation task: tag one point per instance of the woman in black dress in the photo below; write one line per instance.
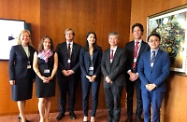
(21, 74)
(90, 64)
(45, 66)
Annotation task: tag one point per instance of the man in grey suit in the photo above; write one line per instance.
(112, 64)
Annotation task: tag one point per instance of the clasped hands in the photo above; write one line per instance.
(133, 76)
(91, 78)
(46, 79)
(67, 72)
(150, 87)
(108, 80)
(12, 82)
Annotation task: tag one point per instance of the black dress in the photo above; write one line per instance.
(45, 89)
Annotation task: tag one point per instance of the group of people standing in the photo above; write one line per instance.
(134, 65)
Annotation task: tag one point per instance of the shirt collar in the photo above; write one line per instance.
(69, 43)
(138, 41)
(114, 49)
(156, 50)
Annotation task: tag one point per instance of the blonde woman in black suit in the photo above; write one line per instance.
(21, 73)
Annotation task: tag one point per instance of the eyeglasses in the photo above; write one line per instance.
(151, 41)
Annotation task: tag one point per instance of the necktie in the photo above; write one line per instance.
(111, 56)
(69, 51)
(135, 54)
(152, 58)
(69, 55)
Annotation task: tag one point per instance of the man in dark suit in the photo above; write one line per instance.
(68, 72)
(153, 69)
(112, 64)
(134, 49)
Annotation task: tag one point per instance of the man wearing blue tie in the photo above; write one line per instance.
(153, 69)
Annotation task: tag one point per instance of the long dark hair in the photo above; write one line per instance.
(95, 46)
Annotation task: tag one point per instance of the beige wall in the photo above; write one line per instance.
(174, 107)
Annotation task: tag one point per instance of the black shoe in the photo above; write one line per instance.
(72, 115)
(19, 117)
(25, 120)
(60, 116)
(129, 119)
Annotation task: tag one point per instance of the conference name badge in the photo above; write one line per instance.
(69, 61)
(91, 68)
(46, 71)
(28, 66)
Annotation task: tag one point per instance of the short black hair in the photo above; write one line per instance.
(154, 34)
(138, 25)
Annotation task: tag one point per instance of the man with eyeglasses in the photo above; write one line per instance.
(153, 69)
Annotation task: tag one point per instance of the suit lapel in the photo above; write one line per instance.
(65, 50)
(31, 52)
(87, 55)
(74, 49)
(114, 58)
(115, 54)
(23, 51)
(142, 47)
(157, 57)
(108, 58)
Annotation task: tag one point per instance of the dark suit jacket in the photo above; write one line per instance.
(84, 61)
(130, 53)
(114, 71)
(18, 62)
(156, 74)
(63, 57)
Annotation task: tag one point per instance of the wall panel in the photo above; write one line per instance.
(52, 17)
(20, 10)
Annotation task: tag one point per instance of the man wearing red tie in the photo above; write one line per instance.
(68, 73)
(134, 49)
(114, 78)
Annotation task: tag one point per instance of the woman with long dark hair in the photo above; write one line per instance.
(90, 61)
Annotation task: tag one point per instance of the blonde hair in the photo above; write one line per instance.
(69, 29)
(19, 40)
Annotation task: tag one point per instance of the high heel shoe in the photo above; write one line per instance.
(85, 119)
(19, 117)
(92, 119)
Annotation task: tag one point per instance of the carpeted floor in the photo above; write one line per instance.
(101, 116)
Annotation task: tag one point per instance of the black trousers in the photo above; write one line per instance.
(130, 93)
(67, 87)
(113, 102)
